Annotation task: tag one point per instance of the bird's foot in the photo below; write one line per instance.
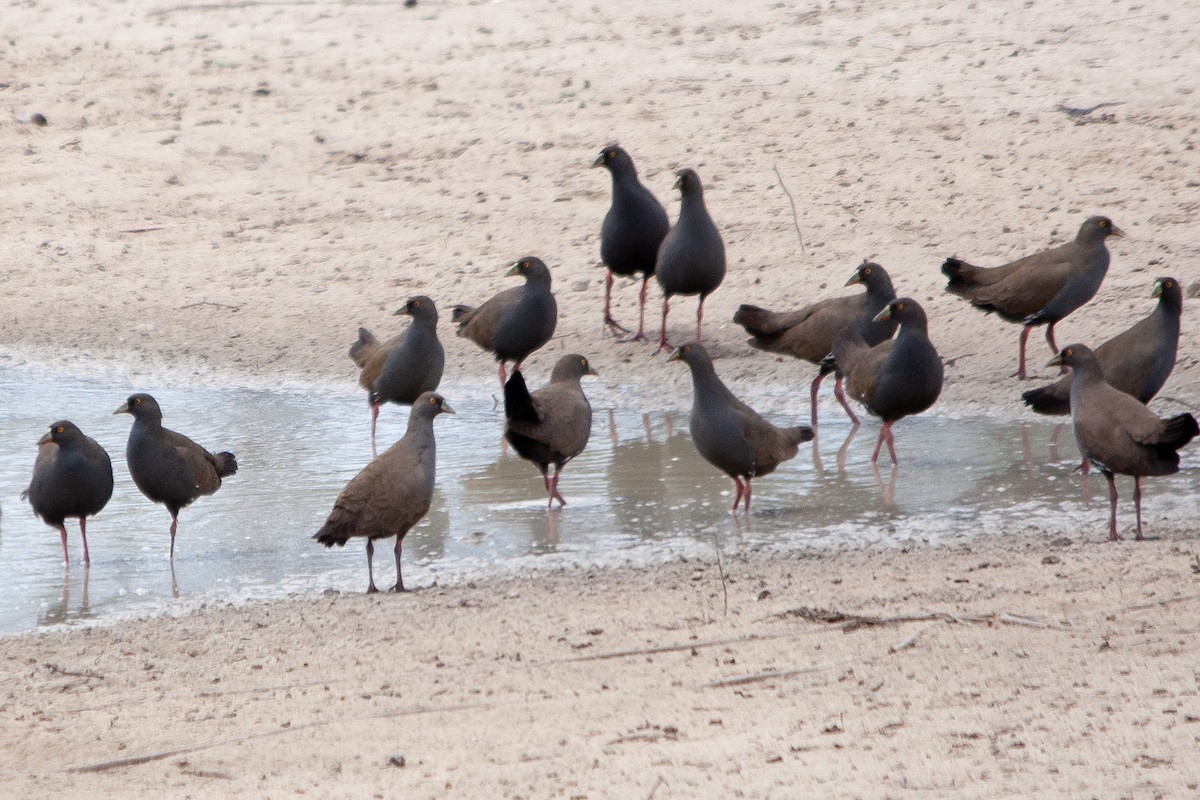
(398, 588)
(1115, 537)
(372, 589)
(614, 327)
(663, 344)
(1020, 375)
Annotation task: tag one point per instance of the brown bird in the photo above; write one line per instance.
(392, 493)
(896, 378)
(403, 368)
(1040, 289)
(731, 435)
(808, 333)
(166, 466)
(72, 477)
(515, 322)
(1137, 361)
(1117, 433)
(551, 425)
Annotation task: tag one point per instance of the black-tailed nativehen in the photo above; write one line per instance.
(633, 230)
(392, 493)
(1040, 289)
(551, 425)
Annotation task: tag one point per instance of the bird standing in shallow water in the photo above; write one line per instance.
(633, 230)
(166, 466)
(72, 477)
(515, 322)
(392, 493)
(403, 368)
(1137, 361)
(1117, 433)
(551, 425)
(896, 378)
(1040, 289)
(729, 434)
(691, 259)
(808, 333)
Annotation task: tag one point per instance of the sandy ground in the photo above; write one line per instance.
(230, 191)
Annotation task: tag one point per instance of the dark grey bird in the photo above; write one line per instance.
(515, 322)
(403, 368)
(72, 477)
(1040, 289)
(551, 425)
(166, 466)
(392, 493)
(1117, 433)
(691, 259)
(1137, 361)
(808, 333)
(731, 435)
(896, 378)
(633, 230)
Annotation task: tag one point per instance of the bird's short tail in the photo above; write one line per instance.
(329, 537)
(518, 405)
(461, 314)
(361, 350)
(961, 274)
(1179, 431)
(759, 323)
(1048, 400)
(226, 464)
(798, 434)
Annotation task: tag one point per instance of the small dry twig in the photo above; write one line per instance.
(57, 670)
(792, 203)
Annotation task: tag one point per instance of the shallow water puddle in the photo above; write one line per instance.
(639, 493)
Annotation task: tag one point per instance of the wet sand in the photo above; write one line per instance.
(226, 194)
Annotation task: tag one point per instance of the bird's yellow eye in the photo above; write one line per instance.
(898, 307)
(416, 304)
(137, 401)
(1103, 223)
(866, 270)
(59, 429)
(1068, 352)
(433, 401)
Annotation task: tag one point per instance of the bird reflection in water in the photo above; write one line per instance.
(60, 612)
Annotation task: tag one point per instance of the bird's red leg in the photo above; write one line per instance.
(747, 500)
(554, 495)
(699, 317)
(662, 335)
(641, 333)
(374, 419)
(1137, 504)
(812, 392)
(503, 374)
(610, 324)
(370, 569)
(1054, 346)
(891, 441)
(87, 559)
(737, 481)
(174, 526)
(62, 531)
(1112, 497)
(841, 397)
(879, 443)
(1020, 373)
